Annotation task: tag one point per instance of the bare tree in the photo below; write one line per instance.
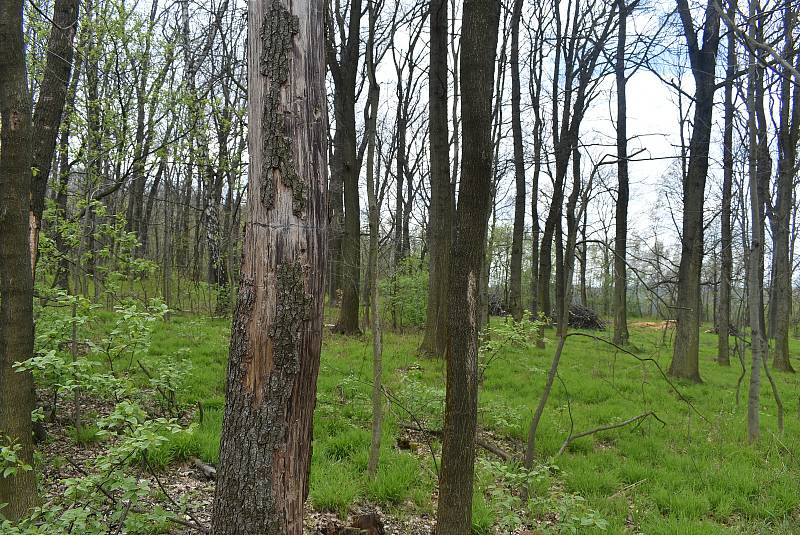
(440, 218)
(516, 304)
(703, 57)
(621, 221)
(780, 214)
(759, 171)
(374, 198)
(726, 240)
(265, 450)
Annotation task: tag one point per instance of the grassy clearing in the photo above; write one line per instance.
(696, 474)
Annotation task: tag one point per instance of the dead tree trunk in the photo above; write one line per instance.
(265, 450)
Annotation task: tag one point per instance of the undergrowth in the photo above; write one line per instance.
(693, 473)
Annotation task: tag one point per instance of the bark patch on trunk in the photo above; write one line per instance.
(277, 32)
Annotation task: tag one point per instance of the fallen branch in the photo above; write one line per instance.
(488, 446)
(644, 359)
(572, 438)
(123, 517)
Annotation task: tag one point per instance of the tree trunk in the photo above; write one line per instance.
(440, 215)
(265, 450)
(516, 305)
(726, 239)
(16, 280)
(400, 173)
(788, 136)
(344, 75)
(536, 70)
(479, 41)
(142, 137)
(65, 166)
(759, 173)
(685, 358)
(374, 229)
(49, 109)
(621, 221)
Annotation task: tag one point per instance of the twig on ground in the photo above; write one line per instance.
(123, 517)
(197, 524)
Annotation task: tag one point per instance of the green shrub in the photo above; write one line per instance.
(405, 294)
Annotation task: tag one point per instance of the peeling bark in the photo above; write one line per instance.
(276, 335)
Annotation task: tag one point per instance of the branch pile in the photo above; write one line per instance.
(581, 317)
(732, 330)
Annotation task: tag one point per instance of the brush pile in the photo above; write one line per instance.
(581, 317)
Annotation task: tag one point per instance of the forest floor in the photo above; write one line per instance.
(688, 469)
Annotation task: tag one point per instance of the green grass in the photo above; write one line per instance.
(696, 474)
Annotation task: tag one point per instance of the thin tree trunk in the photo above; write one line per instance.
(516, 304)
(479, 41)
(759, 183)
(621, 221)
(726, 239)
(440, 222)
(374, 229)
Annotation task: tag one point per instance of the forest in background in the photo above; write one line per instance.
(462, 184)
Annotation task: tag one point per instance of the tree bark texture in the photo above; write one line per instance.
(16, 280)
(276, 336)
(478, 45)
